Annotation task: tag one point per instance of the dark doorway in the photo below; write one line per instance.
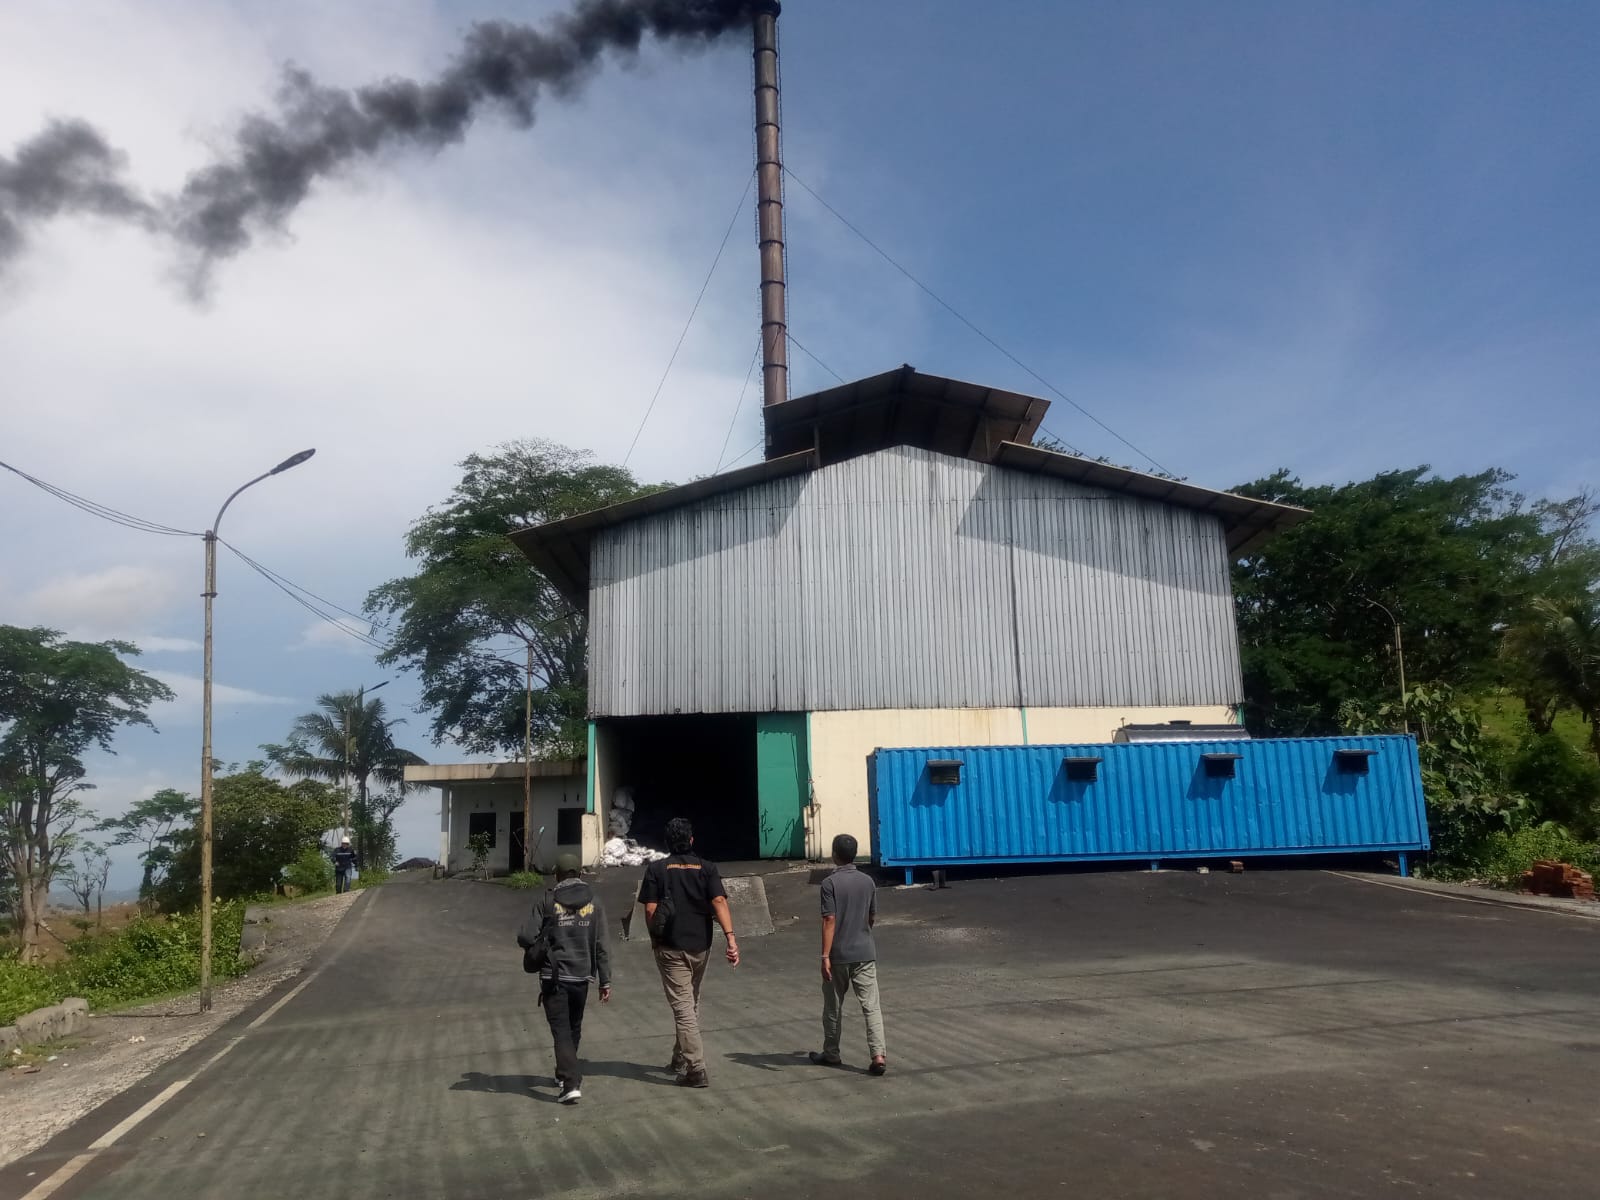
(700, 766)
(518, 841)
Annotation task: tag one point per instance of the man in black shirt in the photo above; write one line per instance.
(680, 895)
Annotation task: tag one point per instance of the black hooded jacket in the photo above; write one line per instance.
(577, 935)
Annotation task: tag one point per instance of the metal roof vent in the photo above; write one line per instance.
(1082, 770)
(1221, 765)
(1353, 762)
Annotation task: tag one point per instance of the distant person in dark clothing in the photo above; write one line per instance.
(571, 921)
(849, 955)
(680, 895)
(344, 864)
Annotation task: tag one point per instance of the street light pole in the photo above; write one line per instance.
(210, 594)
(1400, 661)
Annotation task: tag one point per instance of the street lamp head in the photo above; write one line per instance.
(294, 460)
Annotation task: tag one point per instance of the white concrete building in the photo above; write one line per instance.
(488, 798)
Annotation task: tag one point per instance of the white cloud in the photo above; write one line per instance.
(321, 635)
(117, 598)
(165, 645)
(188, 691)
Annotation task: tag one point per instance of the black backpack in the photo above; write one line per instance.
(536, 953)
(660, 923)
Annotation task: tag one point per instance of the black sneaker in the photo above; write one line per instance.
(694, 1079)
(677, 1066)
(570, 1094)
(822, 1060)
(879, 1067)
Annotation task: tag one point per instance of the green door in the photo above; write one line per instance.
(783, 784)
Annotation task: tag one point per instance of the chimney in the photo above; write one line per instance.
(769, 209)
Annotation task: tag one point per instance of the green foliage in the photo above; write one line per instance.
(523, 880)
(1554, 658)
(1454, 559)
(480, 844)
(58, 700)
(1464, 773)
(1504, 856)
(474, 592)
(260, 826)
(149, 957)
(1562, 784)
(373, 876)
(352, 738)
(150, 823)
(311, 872)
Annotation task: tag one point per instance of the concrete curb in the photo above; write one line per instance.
(1469, 894)
(46, 1024)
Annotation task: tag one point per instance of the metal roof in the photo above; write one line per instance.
(444, 774)
(900, 407)
(903, 407)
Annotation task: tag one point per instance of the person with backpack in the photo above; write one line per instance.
(344, 863)
(681, 893)
(564, 940)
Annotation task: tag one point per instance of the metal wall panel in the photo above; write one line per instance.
(908, 579)
(1150, 801)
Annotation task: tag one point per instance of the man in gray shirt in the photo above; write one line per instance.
(849, 957)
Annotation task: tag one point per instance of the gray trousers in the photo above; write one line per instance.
(862, 979)
(681, 973)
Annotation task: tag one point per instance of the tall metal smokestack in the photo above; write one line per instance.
(769, 209)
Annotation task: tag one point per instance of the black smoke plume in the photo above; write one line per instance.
(68, 169)
(316, 131)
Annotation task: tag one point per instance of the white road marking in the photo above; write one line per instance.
(73, 1165)
(112, 1135)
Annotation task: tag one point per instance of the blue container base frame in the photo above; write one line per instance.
(1404, 857)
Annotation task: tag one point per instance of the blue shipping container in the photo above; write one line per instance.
(1019, 804)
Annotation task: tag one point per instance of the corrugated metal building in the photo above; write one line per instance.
(903, 570)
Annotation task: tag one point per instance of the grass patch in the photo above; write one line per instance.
(373, 877)
(1505, 719)
(150, 957)
(523, 881)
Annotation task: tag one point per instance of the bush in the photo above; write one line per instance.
(1562, 782)
(523, 880)
(1505, 856)
(372, 877)
(311, 872)
(149, 957)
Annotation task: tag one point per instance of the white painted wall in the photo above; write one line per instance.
(504, 797)
(841, 742)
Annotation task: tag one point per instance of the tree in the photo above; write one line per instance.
(476, 609)
(1454, 559)
(1555, 652)
(350, 739)
(58, 699)
(151, 823)
(86, 875)
(259, 826)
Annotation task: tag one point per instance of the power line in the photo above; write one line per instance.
(289, 590)
(815, 359)
(955, 312)
(103, 511)
(733, 462)
(734, 220)
(739, 407)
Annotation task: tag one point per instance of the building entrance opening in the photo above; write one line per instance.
(700, 766)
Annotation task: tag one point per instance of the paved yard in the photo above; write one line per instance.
(1282, 1034)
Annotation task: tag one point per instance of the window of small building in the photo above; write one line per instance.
(481, 823)
(569, 827)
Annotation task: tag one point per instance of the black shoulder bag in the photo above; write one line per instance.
(660, 923)
(536, 947)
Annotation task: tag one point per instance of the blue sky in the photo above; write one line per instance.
(1331, 237)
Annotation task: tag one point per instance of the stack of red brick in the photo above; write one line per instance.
(1558, 879)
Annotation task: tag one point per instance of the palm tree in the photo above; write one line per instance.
(348, 740)
(1558, 648)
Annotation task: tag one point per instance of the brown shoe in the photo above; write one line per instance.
(694, 1079)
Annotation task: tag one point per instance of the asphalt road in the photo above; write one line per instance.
(1276, 1034)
